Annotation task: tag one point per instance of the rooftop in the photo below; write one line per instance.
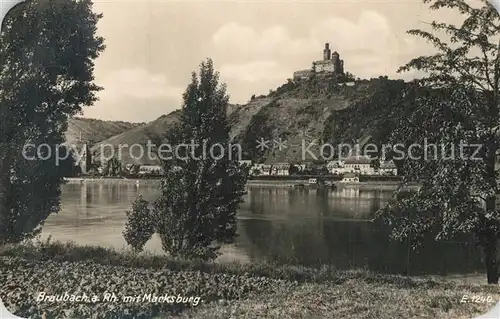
(281, 165)
(358, 160)
(324, 62)
(387, 164)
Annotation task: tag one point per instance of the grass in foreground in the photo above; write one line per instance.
(227, 291)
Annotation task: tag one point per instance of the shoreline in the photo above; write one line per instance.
(288, 183)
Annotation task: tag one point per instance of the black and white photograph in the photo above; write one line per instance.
(250, 159)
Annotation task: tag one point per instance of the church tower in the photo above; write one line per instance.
(85, 162)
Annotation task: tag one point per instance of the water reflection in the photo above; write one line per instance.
(306, 226)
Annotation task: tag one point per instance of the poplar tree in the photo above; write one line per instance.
(47, 53)
(201, 190)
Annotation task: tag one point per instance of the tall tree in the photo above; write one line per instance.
(456, 103)
(113, 167)
(47, 52)
(203, 185)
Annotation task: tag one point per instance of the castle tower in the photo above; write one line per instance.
(335, 57)
(326, 52)
(337, 63)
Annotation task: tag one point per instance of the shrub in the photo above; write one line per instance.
(139, 226)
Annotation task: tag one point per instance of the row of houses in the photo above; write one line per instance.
(361, 165)
(132, 169)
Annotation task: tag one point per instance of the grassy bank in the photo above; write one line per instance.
(225, 291)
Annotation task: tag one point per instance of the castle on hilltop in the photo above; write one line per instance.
(330, 65)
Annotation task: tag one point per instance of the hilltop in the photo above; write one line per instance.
(93, 131)
(294, 112)
(321, 108)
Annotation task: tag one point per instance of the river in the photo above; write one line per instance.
(279, 224)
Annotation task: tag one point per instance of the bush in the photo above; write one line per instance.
(139, 226)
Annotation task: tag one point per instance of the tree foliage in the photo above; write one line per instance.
(456, 104)
(140, 225)
(113, 167)
(201, 190)
(47, 52)
(375, 114)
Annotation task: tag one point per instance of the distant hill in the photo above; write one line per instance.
(320, 109)
(138, 135)
(93, 131)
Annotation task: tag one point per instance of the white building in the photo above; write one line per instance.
(266, 169)
(335, 167)
(280, 169)
(260, 169)
(324, 66)
(359, 164)
(350, 178)
(151, 170)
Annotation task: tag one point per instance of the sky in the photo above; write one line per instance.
(153, 46)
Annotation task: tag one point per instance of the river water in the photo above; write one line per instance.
(280, 224)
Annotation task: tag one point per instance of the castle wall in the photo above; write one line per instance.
(302, 74)
(325, 66)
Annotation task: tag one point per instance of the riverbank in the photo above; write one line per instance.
(371, 185)
(224, 291)
(71, 180)
(375, 184)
